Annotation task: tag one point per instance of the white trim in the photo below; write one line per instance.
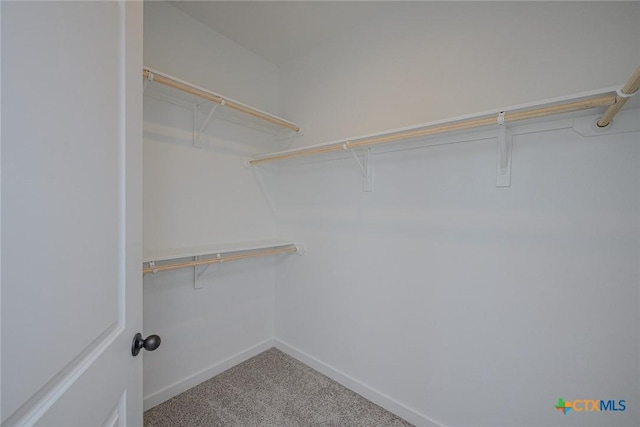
(359, 387)
(118, 415)
(199, 377)
(1, 219)
(40, 402)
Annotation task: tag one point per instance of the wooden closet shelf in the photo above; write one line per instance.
(196, 93)
(221, 252)
(610, 99)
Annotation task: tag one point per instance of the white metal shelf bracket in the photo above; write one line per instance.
(148, 79)
(505, 145)
(366, 167)
(197, 272)
(198, 128)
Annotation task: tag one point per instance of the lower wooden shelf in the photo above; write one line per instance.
(217, 253)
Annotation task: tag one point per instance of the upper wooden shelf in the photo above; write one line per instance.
(613, 99)
(174, 87)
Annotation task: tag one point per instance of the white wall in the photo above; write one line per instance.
(198, 196)
(462, 302)
(181, 46)
(434, 60)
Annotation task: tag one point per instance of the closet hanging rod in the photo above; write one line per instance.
(426, 130)
(630, 88)
(558, 106)
(186, 264)
(167, 80)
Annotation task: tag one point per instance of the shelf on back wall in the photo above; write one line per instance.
(608, 100)
(209, 105)
(216, 253)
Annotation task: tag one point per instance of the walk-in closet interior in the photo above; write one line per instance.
(434, 204)
(470, 275)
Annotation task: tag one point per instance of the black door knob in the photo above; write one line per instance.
(150, 343)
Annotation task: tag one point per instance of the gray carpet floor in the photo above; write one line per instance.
(270, 389)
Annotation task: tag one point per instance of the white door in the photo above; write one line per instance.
(71, 213)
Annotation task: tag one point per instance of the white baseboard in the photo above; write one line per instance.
(362, 389)
(185, 384)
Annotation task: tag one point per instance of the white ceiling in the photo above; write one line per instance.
(281, 30)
